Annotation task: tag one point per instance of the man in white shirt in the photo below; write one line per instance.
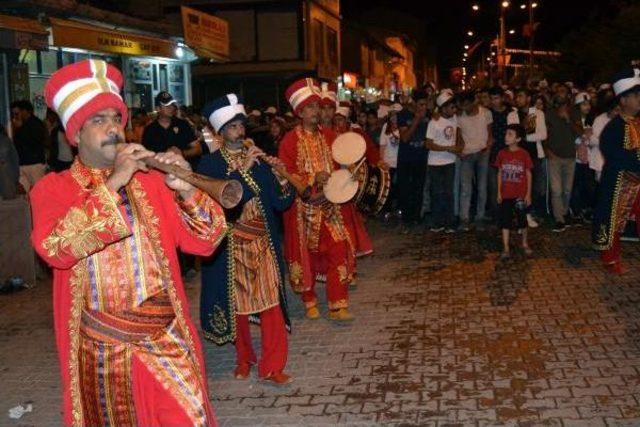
(475, 129)
(535, 125)
(444, 143)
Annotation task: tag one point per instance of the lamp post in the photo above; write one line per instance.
(532, 32)
(502, 44)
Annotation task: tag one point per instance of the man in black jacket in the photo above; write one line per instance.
(30, 138)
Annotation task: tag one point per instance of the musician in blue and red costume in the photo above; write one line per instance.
(619, 191)
(129, 352)
(246, 277)
(316, 238)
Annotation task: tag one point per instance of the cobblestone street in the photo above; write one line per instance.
(445, 334)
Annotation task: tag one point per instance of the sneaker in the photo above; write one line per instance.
(504, 256)
(436, 229)
(312, 313)
(527, 250)
(531, 221)
(464, 226)
(340, 315)
(559, 227)
(450, 230)
(567, 221)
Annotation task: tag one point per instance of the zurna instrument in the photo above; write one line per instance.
(303, 189)
(227, 192)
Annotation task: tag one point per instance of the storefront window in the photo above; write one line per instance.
(142, 97)
(36, 87)
(178, 93)
(67, 58)
(49, 61)
(30, 57)
(176, 73)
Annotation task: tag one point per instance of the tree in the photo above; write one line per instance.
(597, 50)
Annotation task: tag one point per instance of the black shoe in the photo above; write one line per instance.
(567, 221)
(559, 227)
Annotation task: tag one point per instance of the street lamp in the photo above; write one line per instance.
(505, 4)
(475, 7)
(470, 33)
(466, 46)
(512, 31)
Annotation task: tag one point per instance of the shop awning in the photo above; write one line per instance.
(22, 33)
(82, 36)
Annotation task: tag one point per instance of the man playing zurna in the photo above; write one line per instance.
(247, 276)
(129, 352)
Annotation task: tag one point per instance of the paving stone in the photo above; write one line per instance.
(444, 335)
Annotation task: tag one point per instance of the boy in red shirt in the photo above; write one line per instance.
(514, 187)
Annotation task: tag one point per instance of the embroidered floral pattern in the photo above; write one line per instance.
(79, 231)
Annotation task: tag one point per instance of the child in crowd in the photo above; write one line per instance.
(514, 187)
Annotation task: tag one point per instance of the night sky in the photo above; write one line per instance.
(447, 21)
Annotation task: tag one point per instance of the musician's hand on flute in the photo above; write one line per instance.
(128, 161)
(183, 187)
(251, 157)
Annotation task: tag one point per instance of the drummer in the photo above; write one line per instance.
(316, 239)
(342, 124)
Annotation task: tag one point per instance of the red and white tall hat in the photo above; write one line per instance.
(302, 92)
(329, 93)
(79, 90)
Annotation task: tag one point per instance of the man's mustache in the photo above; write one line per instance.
(112, 140)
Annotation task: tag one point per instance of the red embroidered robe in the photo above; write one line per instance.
(116, 278)
(305, 154)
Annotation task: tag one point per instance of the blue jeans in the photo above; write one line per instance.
(476, 166)
(442, 178)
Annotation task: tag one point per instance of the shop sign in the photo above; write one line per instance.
(208, 35)
(77, 35)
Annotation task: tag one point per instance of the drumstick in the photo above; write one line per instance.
(358, 167)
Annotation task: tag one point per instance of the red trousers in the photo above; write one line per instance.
(335, 260)
(154, 405)
(274, 342)
(613, 254)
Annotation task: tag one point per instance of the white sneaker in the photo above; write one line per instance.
(531, 222)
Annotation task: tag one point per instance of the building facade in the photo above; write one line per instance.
(40, 36)
(271, 43)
